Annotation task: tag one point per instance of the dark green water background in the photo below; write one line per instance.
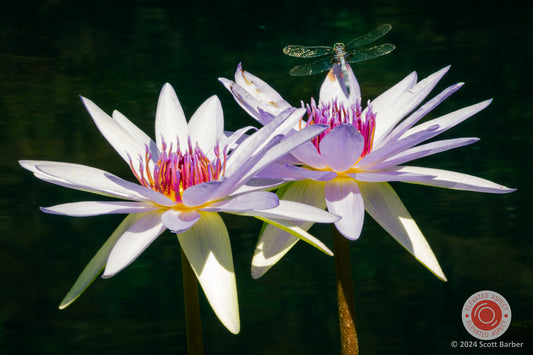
(120, 53)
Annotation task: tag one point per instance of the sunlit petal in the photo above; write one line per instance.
(344, 199)
(179, 221)
(207, 247)
(170, 123)
(342, 147)
(457, 181)
(85, 178)
(295, 211)
(308, 154)
(450, 120)
(382, 102)
(274, 243)
(292, 172)
(394, 173)
(384, 205)
(251, 201)
(333, 87)
(97, 263)
(410, 121)
(133, 242)
(295, 230)
(424, 151)
(95, 208)
(124, 143)
(137, 134)
(267, 98)
(206, 126)
(395, 110)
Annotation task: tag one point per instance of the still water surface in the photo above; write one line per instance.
(119, 54)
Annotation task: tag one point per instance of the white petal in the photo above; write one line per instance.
(342, 147)
(286, 145)
(206, 126)
(384, 205)
(296, 212)
(137, 134)
(95, 208)
(257, 141)
(424, 151)
(97, 263)
(405, 103)
(85, 178)
(274, 243)
(123, 142)
(295, 230)
(257, 184)
(208, 250)
(258, 160)
(133, 242)
(457, 181)
(381, 104)
(179, 221)
(397, 147)
(344, 199)
(308, 155)
(170, 123)
(333, 87)
(394, 173)
(450, 120)
(292, 172)
(246, 100)
(272, 246)
(410, 121)
(267, 98)
(199, 194)
(251, 201)
(233, 139)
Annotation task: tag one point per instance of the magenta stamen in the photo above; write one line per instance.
(175, 171)
(334, 114)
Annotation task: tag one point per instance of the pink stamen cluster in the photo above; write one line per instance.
(334, 114)
(175, 171)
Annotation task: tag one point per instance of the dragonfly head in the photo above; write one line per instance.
(339, 44)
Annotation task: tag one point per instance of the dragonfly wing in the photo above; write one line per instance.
(312, 68)
(295, 50)
(370, 37)
(358, 55)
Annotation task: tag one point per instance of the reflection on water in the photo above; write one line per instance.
(120, 54)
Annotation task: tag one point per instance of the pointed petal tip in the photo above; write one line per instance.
(257, 272)
(107, 274)
(346, 235)
(46, 210)
(234, 328)
(167, 88)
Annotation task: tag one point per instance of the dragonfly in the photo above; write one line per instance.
(355, 51)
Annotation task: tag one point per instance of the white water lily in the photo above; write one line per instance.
(348, 167)
(186, 177)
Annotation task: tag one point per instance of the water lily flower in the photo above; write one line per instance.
(348, 167)
(186, 177)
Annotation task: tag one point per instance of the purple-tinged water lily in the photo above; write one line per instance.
(348, 167)
(190, 173)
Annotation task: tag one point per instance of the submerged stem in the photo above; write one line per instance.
(193, 321)
(345, 298)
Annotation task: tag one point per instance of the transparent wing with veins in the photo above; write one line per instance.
(353, 52)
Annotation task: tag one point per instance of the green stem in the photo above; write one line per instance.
(193, 321)
(345, 298)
